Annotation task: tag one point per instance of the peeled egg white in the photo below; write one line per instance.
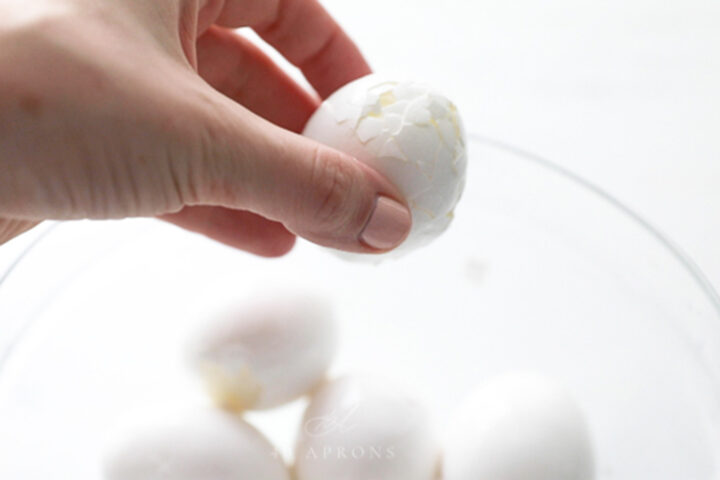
(363, 428)
(520, 426)
(268, 351)
(202, 444)
(408, 132)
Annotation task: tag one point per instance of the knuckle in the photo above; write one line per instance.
(332, 185)
(211, 170)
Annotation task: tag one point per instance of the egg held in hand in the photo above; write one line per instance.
(409, 133)
(520, 426)
(362, 428)
(265, 352)
(204, 444)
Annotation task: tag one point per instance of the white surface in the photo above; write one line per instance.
(624, 92)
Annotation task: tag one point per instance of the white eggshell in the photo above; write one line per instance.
(519, 427)
(268, 351)
(362, 428)
(408, 132)
(203, 444)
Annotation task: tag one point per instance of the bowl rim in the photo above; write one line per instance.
(671, 246)
(674, 249)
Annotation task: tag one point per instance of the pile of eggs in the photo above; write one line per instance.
(275, 350)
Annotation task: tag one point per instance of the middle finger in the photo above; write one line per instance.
(236, 67)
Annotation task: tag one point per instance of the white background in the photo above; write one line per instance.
(624, 92)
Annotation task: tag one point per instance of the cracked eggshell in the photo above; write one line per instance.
(192, 445)
(360, 428)
(408, 132)
(266, 352)
(520, 426)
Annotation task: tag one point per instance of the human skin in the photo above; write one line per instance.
(137, 108)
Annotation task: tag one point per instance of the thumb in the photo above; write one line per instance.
(318, 193)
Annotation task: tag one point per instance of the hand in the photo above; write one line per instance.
(115, 109)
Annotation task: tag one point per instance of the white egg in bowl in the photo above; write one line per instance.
(361, 427)
(265, 350)
(519, 426)
(192, 444)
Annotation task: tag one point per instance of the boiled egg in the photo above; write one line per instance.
(519, 426)
(364, 428)
(265, 351)
(200, 444)
(408, 132)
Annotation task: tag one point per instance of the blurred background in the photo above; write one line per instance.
(625, 93)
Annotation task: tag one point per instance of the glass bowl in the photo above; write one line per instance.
(540, 271)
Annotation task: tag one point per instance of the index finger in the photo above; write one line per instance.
(303, 32)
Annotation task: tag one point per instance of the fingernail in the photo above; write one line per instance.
(388, 226)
